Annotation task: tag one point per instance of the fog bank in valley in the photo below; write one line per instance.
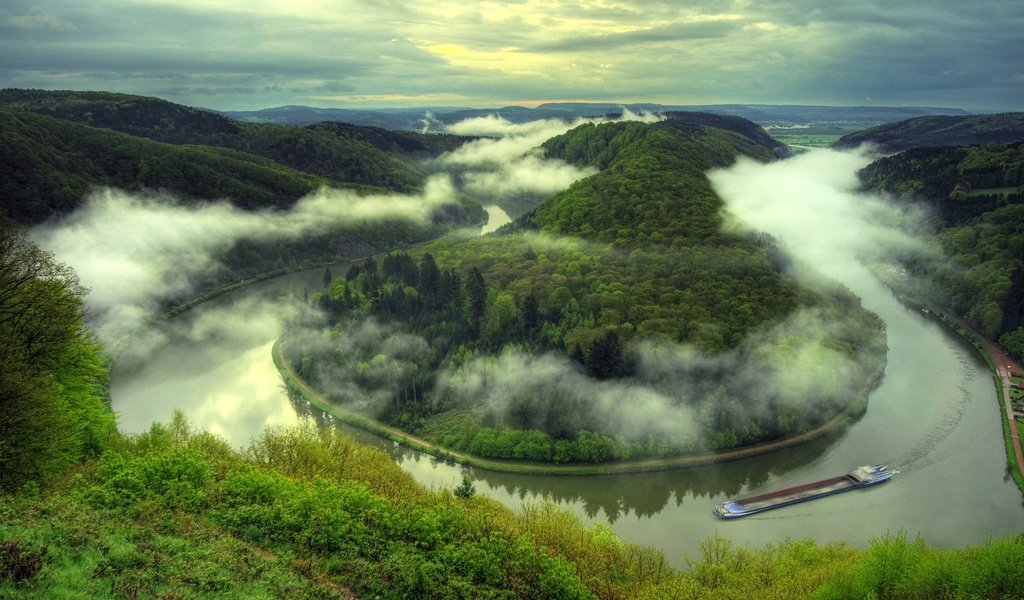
(134, 251)
(811, 204)
(506, 161)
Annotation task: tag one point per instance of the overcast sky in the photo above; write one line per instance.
(250, 54)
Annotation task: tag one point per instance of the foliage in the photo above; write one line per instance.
(176, 512)
(940, 130)
(466, 489)
(974, 195)
(894, 567)
(634, 254)
(53, 399)
(335, 151)
(371, 529)
(49, 165)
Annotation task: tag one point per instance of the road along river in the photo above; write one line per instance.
(934, 417)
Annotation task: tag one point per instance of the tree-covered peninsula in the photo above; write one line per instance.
(626, 317)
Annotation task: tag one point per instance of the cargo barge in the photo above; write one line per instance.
(857, 478)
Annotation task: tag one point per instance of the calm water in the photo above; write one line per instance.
(934, 417)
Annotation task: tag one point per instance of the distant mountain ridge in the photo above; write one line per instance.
(431, 118)
(350, 154)
(940, 130)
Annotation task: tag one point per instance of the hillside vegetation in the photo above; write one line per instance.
(603, 281)
(335, 151)
(48, 166)
(939, 130)
(310, 513)
(58, 147)
(975, 197)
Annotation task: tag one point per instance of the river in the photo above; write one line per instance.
(934, 417)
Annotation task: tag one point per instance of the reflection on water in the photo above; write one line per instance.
(933, 416)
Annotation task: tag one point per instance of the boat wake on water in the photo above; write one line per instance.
(922, 453)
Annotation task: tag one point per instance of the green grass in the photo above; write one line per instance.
(807, 139)
(453, 429)
(62, 547)
(310, 513)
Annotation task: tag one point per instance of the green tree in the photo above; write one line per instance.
(606, 359)
(476, 299)
(430, 280)
(53, 408)
(530, 315)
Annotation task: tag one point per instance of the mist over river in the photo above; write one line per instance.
(934, 417)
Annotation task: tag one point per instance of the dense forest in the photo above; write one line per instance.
(973, 197)
(59, 147)
(939, 130)
(307, 512)
(336, 151)
(612, 288)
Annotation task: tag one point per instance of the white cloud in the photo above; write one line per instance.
(134, 251)
(811, 203)
(508, 163)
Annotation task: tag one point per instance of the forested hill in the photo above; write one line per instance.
(47, 166)
(975, 196)
(328, 153)
(652, 187)
(56, 147)
(631, 258)
(933, 131)
(165, 121)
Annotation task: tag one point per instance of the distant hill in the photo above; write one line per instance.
(739, 125)
(935, 131)
(352, 154)
(48, 165)
(416, 119)
(55, 147)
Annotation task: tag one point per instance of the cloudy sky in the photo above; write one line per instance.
(249, 54)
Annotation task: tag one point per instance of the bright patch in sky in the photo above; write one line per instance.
(241, 54)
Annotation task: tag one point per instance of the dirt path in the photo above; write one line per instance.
(635, 466)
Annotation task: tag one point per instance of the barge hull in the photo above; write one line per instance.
(861, 477)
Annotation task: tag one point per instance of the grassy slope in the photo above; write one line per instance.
(309, 514)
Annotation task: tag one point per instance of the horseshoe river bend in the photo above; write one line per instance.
(933, 417)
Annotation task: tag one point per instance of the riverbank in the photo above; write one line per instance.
(318, 400)
(1004, 368)
(114, 349)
